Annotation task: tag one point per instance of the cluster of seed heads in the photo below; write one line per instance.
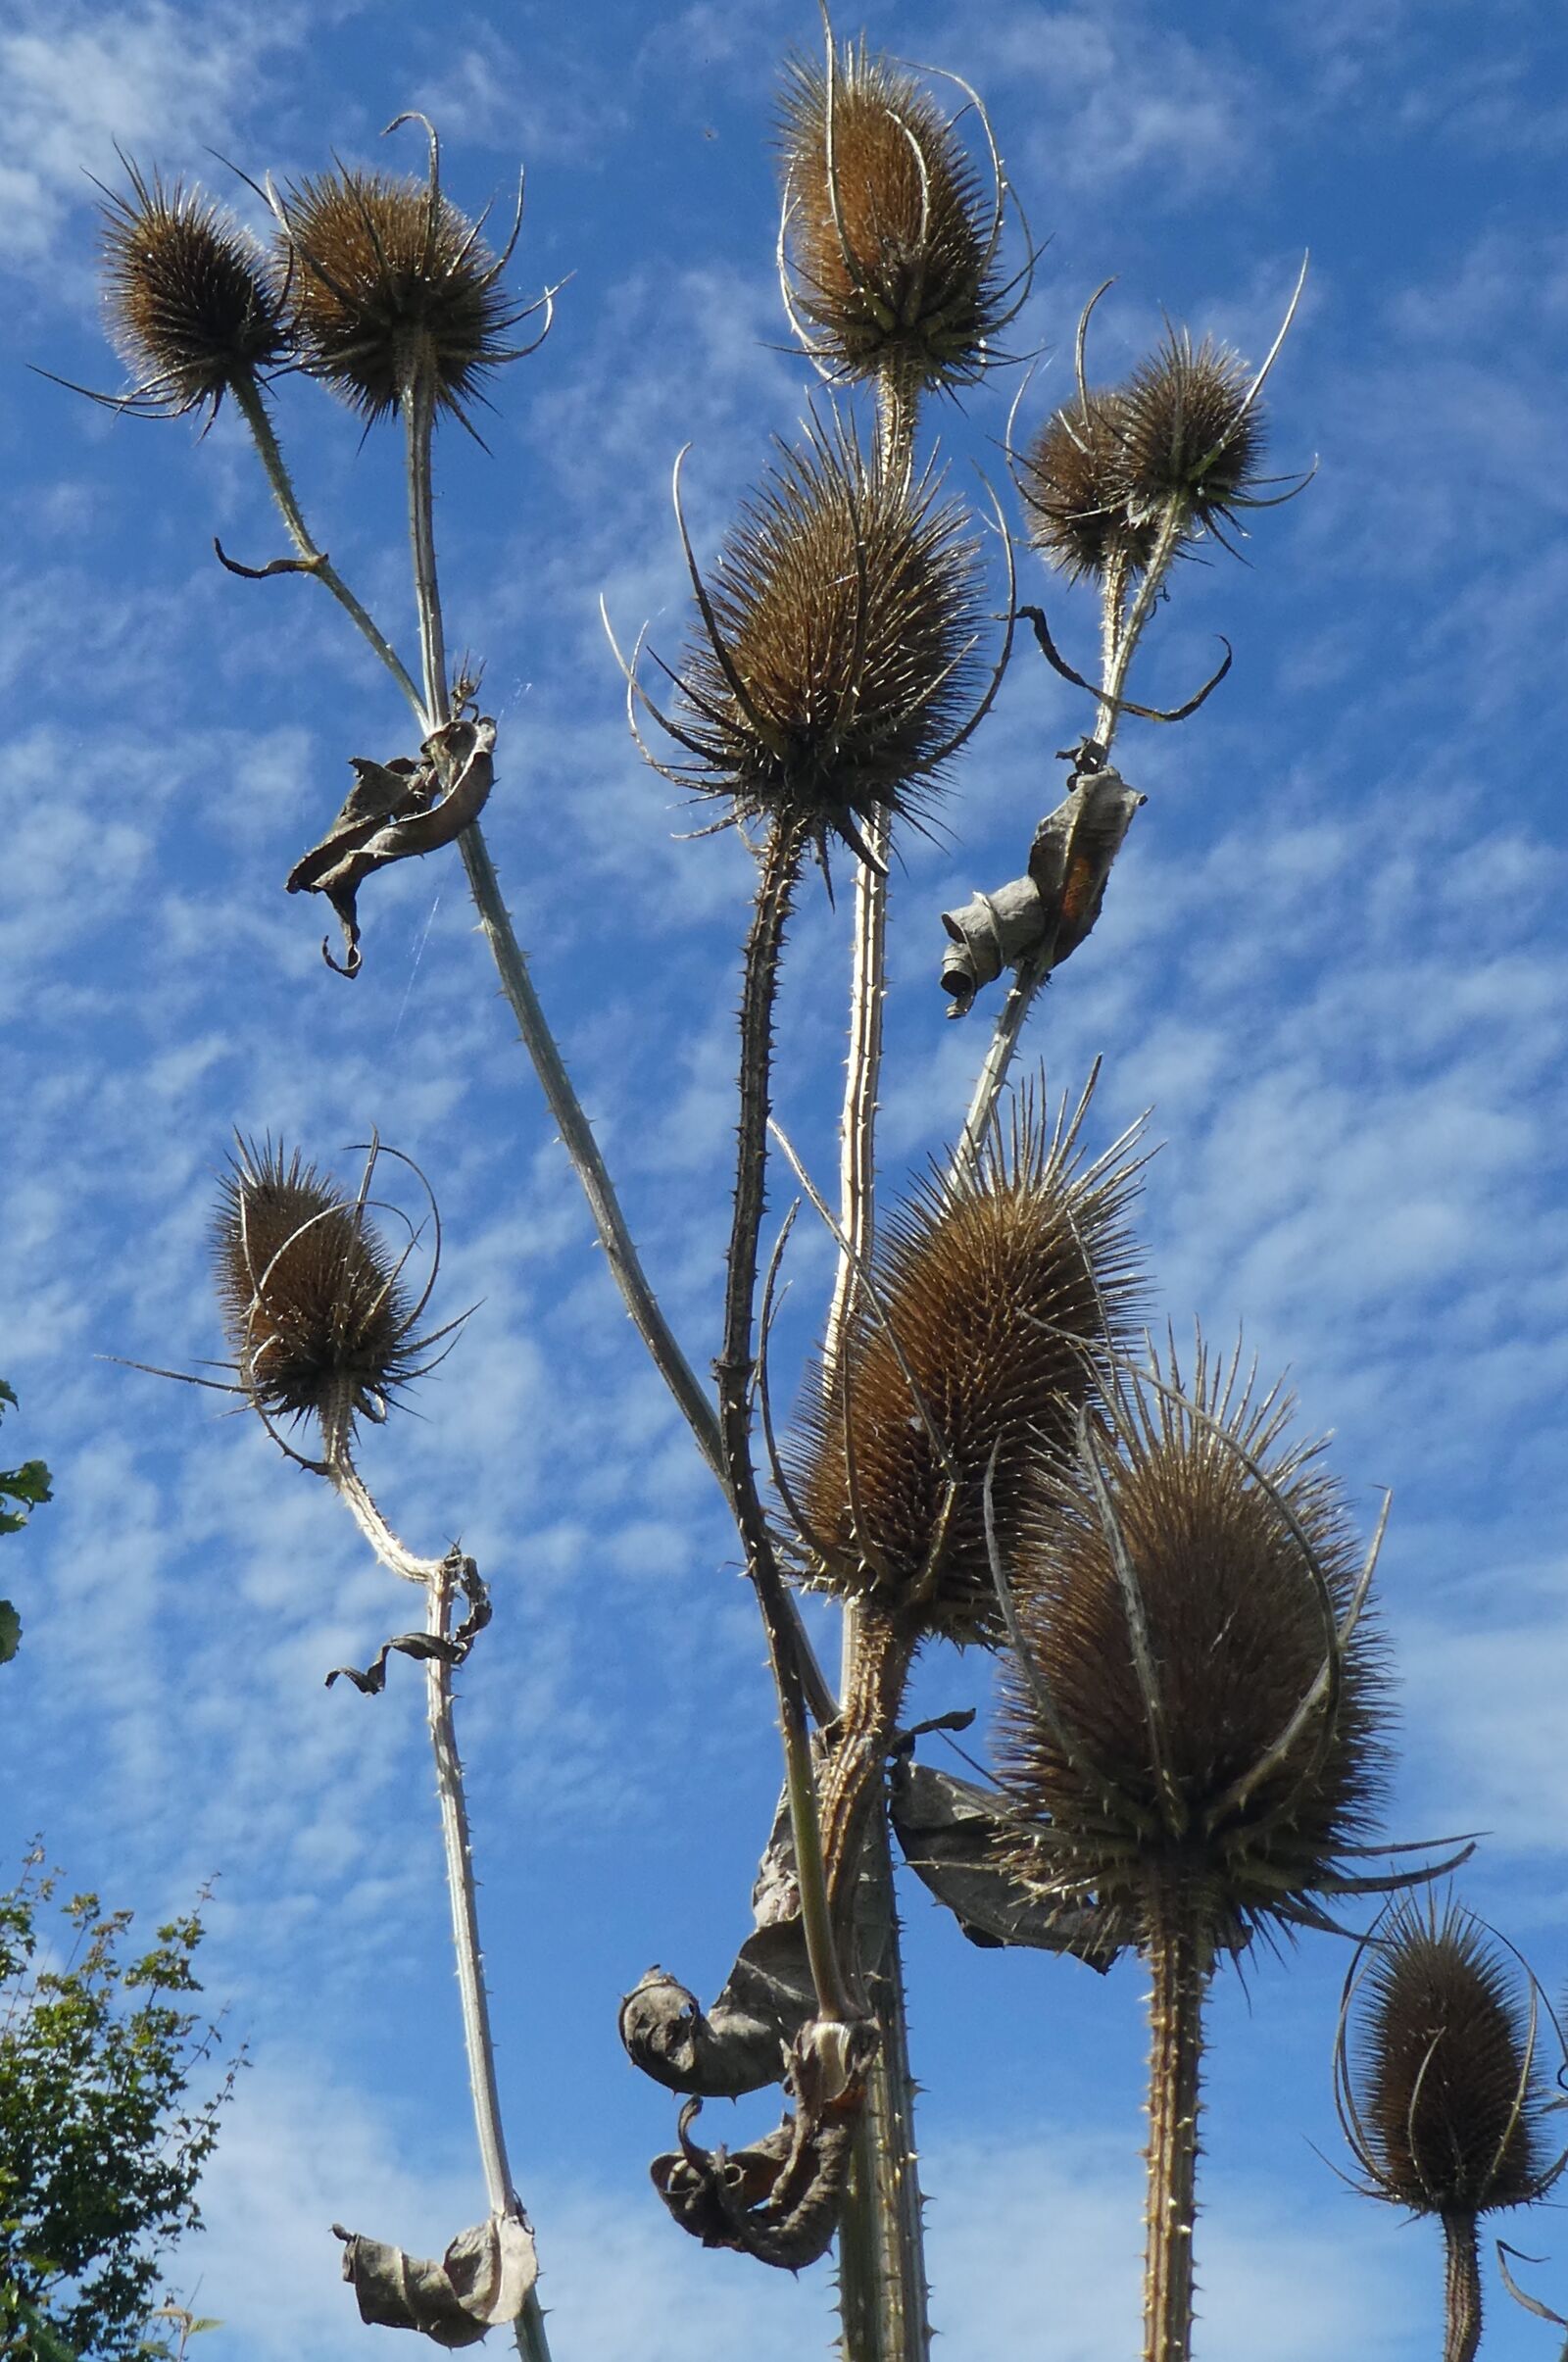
(374, 283)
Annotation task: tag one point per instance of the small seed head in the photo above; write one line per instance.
(988, 1280)
(1188, 434)
(387, 279)
(846, 603)
(318, 1321)
(890, 238)
(1073, 485)
(1142, 1780)
(1449, 2102)
(188, 299)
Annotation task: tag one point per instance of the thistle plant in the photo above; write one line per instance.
(1194, 1705)
(1441, 2081)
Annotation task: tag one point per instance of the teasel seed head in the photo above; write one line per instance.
(387, 281)
(1191, 434)
(1440, 2071)
(190, 303)
(832, 671)
(964, 1358)
(320, 1320)
(1201, 1706)
(888, 243)
(1072, 479)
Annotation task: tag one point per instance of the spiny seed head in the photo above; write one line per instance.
(1140, 1777)
(1072, 482)
(318, 1321)
(890, 240)
(1443, 2099)
(189, 302)
(387, 279)
(838, 671)
(1188, 435)
(988, 1279)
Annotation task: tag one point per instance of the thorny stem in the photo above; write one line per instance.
(869, 1718)
(882, 2280)
(1461, 2289)
(253, 409)
(735, 1368)
(1121, 628)
(419, 419)
(437, 1576)
(1180, 1960)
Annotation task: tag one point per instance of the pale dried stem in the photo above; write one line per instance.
(1180, 1960)
(1461, 2289)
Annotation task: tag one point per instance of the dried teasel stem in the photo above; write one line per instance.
(735, 1368)
(437, 1577)
(1180, 1960)
(1461, 2288)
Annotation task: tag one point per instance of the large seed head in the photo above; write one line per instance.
(317, 1318)
(846, 603)
(888, 235)
(1140, 1775)
(386, 279)
(188, 299)
(1449, 2105)
(998, 1286)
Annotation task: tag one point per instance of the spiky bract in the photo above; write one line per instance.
(319, 1319)
(997, 1285)
(838, 672)
(1190, 435)
(1443, 2099)
(190, 305)
(1158, 1744)
(1072, 479)
(891, 241)
(388, 279)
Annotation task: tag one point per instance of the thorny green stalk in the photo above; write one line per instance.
(436, 1577)
(1461, 2289)
(1121, 628)
(1180, 1959)
(735, 1370)
(882, 2279)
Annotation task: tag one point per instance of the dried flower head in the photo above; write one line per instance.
(1442, 2090)
(1201, 1701)
(190, 305)
(960, 1362)
(1191, 433)
(389, 284)
(832, 671)
(1072, 479)
(320, 1321)
(889, 244)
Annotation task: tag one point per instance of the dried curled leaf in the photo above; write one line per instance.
(483, 2279)
(423, 1645)
(395, 810)
(948, 1830)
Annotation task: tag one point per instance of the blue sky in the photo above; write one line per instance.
(1332, 962)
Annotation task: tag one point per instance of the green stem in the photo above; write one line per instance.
(1180, 1959)
(252, 406)
(735, 1370)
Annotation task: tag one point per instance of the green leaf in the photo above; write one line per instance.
(10, 1631)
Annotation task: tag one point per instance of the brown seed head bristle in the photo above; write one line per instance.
(891, 240)
(847, 603)
(1448, 2105)
(386, 278)
(1188, 433)
(189, 302)
(1072, 482)
(317, 1318)
(1138, 1777)
(988, 1280)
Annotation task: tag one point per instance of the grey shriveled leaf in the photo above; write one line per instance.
(483, 2280)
